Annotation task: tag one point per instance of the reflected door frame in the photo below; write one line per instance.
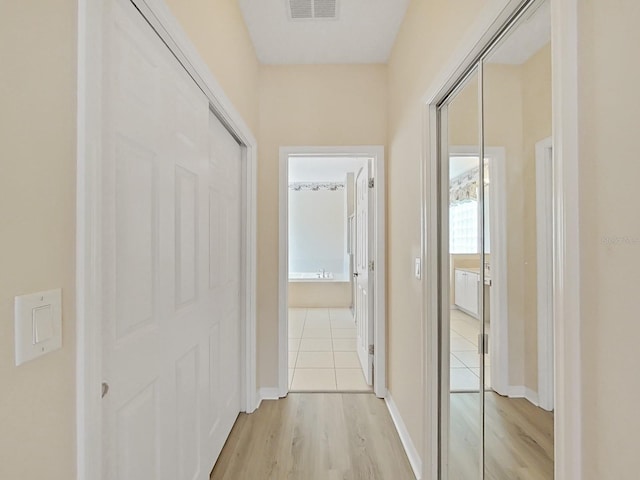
(498, 293)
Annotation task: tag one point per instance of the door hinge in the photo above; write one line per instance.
(372, 183)
(371, 265)
(483, 344)
(371, 349)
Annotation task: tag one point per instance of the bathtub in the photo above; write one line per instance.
(311, 276)
(311, 289)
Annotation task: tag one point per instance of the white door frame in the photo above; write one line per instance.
(499, 291)
(91, 18)
(545, 261)
(379, 291)
(566, 287)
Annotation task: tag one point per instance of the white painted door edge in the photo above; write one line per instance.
(379, 257)
(91, 17)
(568, 398)
(544, 259)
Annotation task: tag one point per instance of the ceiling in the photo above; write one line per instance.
(459, 165)
(528, 37)
(323, 169)
(363, 31)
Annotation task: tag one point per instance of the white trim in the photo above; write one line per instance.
(532, 396)
(566, 285)
(267, 393)
(522, 391)
(567, 348)
(88, 342)
(379, 257)
(283, 276)
(516, 391)
(499, 292)
(91, 16)
(544, 260)
(409, 448)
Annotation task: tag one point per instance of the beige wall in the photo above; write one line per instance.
(218, 31)
(536, 126)
(323, 105)
(428, 35)
(609, 102)
(37, 231)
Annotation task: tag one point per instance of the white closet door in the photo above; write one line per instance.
(224, 276)
(171, 263)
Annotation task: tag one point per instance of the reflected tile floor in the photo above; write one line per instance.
(322, 351)
(465, 361)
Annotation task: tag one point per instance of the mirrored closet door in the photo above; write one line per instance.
(496, 250)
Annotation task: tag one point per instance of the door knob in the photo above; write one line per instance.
(355, 274)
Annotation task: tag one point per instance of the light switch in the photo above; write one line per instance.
(38, 324)
(418, 268)
(42, 323)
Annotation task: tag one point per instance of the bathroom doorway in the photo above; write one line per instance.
(331, 241)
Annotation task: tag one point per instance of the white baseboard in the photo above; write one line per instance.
(405, 438)
(516, 391)
(532, 396)
(521, 391)
(267, 393)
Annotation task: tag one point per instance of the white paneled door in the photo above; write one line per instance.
(171, 222)
(364, 290)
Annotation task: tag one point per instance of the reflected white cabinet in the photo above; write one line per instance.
(466, 294)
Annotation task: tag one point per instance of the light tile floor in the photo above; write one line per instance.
(465, 361)
(322, 351)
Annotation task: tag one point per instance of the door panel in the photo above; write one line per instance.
(462, 257)
(364, 300)
(172, 216)
(489, 127)
(188, 420)
(186, 236)
(137, 442)
(135, 261)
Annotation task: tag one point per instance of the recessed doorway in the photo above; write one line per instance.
(332, 270)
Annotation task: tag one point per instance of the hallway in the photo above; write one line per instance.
(322, 436)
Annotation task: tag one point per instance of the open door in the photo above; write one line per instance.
(363, 281)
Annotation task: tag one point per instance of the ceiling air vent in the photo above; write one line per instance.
(324, 8)
(310, 9)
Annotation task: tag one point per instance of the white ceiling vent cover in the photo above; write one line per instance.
(310, 9)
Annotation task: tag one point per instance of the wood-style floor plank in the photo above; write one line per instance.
(518, 439)
(315, 436)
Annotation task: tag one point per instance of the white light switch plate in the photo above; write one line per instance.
(38, 324)
(418, 268)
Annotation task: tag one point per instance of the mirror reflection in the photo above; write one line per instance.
(498, 326)
(518, 440)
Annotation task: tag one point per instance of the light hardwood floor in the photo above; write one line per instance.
(518, 439)
(315, 436)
